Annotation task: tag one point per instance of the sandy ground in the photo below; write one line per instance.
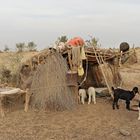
(86, 122)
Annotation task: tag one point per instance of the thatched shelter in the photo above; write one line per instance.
(108, 62)
(47, 83)
(53, 83)
(98, 65)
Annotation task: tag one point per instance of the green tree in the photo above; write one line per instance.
(20, 47)
(6, 48)
(94, 41)
(63, 39)
(31, 46)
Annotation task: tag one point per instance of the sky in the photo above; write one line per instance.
(43, 21)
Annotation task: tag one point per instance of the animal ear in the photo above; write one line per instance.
(135, 89)
(112, 88)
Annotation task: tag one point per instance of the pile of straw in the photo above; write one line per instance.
(49, 87)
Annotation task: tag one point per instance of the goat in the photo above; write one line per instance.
(82, 95)
(92, 95)
(125, 95)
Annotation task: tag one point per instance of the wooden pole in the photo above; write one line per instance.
(1, 106)
(110, 91)
(69, 59)
(120, 60)
(27, 100)
(76, 93)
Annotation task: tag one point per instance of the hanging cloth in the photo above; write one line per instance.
(83, 55)
(76, 57)
(81, 69)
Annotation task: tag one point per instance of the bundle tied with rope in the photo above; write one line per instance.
(49, 87)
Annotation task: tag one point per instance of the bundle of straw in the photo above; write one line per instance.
(49, 87)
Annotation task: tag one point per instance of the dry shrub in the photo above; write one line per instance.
(111, 73)
(49, 87)
(5, 75)
(132, 59)
(9, 68)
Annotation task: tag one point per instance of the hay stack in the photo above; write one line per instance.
(49, 85)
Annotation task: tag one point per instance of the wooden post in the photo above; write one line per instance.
(27, 100)
(76, 92)
(120, 60)
(69, 59)
(1, 106)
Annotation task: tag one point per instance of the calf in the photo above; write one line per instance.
(92, 95)
(82, 95)
(125, 95)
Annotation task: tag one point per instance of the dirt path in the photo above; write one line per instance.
(86, 122)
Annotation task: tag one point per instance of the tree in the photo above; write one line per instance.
(63, 39)
(20, 47)
(31, 46)
(94, 41)
(6, 48)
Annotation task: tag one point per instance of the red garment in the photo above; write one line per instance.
(77, 41)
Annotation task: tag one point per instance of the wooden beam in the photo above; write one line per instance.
(27, 100)
(1, 106)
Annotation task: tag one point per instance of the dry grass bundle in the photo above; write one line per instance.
(111, 72)
(108, 73)
(49, 85)
(131, 59)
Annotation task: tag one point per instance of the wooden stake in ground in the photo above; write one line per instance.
(1, 106)
(27, 100)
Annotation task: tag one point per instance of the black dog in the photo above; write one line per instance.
(125, 95)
